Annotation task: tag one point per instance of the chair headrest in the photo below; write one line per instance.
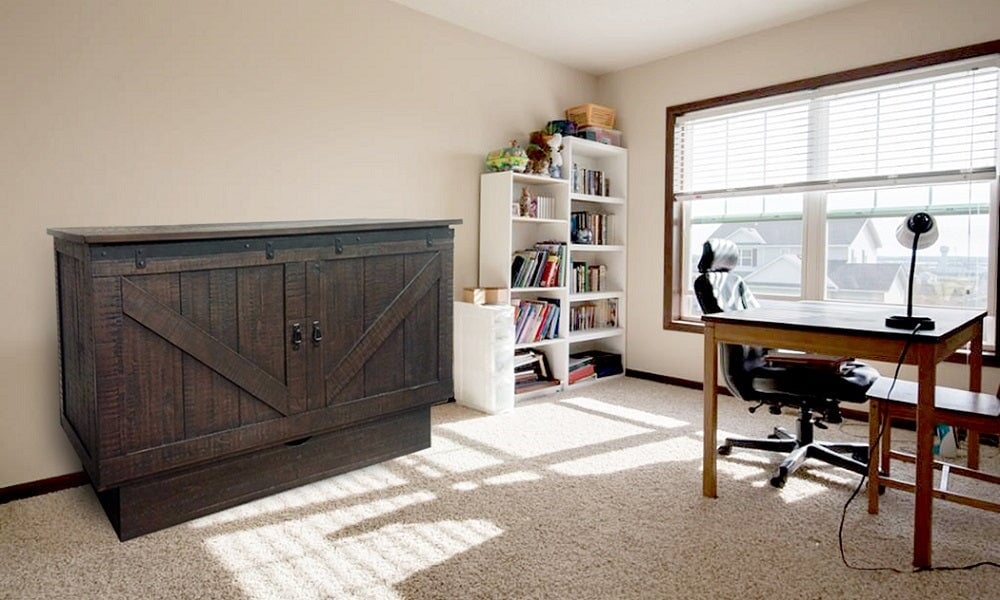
(718, 254)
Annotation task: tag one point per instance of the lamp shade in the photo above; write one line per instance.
(918, 223)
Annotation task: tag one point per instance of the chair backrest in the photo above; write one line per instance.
(718, 290)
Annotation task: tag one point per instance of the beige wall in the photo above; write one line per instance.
(873, 32)
(188, 111)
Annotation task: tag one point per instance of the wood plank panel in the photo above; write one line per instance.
(261, 317)
(420, 363)
(211, 402)
(78, 403)
(384, 279)
(117, 470)
(154, 383)
(109, 364)
(185, 335)
(383, 327)
(341, 302)
(296, 363)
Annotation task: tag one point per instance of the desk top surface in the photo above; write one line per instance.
(855, 319)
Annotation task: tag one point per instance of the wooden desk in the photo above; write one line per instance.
(859, 331)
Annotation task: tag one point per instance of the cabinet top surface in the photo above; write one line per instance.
(119, 235)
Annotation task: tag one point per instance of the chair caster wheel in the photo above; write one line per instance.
(725, 450)
(881, 490)
(779, 479)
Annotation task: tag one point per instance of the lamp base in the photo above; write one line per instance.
(911, 323)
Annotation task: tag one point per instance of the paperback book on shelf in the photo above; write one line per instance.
(532, 371)
(605, 363)
(543, 265)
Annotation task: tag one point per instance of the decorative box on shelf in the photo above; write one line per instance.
(591, 115)
(486, 295)
(601, 134)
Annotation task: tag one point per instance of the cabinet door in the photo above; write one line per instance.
(208, 351)
(386, 319)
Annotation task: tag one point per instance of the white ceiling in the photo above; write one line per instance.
(603, 36)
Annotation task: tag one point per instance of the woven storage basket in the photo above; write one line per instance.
(592, 115)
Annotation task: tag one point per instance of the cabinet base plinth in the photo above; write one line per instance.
(149, 505)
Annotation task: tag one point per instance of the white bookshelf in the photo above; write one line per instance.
(501, 233)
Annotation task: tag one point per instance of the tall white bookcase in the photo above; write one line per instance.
(502, 233)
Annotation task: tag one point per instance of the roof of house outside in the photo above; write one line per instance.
(863, 276)
(840, 232)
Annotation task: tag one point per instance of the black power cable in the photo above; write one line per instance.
(872, 453)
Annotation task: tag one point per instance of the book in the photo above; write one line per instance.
(605, 363)
(584, 372)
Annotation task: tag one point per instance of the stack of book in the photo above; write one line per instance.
(535, 320)
(605, 363)
(594, 315)
(590, 181)
(588, 278)
(544, 265)
(532, 372)
(581, 369)
(599, 225)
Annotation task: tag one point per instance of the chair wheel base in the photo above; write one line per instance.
(780, 478)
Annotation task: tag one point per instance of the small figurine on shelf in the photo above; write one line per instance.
(555, 156)
(538, 153)
(513, 158)
(525, 203)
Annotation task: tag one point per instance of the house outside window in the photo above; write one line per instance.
(812, 183)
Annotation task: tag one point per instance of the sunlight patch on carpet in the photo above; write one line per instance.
(308, 557)
(673, 450)
(632, 414)
(453, 457)
(509, 478)
(363, 481)
(527, 432)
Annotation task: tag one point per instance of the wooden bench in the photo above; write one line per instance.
(976, 412)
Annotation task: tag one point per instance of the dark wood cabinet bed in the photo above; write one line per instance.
(206, 365)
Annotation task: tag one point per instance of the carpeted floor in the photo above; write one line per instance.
(590, 494)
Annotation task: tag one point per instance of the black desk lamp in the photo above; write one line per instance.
(920, 231)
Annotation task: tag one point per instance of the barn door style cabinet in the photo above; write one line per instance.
(203, 366)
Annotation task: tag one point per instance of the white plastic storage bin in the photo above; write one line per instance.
(484, 356)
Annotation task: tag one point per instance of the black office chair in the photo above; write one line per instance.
(814, 387)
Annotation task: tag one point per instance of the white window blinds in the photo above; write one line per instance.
(921, 126)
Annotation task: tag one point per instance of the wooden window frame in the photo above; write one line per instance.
(672, 285)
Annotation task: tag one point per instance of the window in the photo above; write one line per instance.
(811, 180)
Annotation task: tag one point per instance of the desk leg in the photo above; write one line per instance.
(924, 481)
(708, 477)
(975, 385)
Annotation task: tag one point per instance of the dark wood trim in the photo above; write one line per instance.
(671, 280)
(43, 486)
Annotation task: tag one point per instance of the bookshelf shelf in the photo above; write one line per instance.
(502, 233)
(585, 335)
(596, 248)
(536, 220)
(540, 343)
(585, 296)
(596, 199)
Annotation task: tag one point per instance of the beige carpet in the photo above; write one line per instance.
(593, 494)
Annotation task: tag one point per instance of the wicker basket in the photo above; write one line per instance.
(592, 115)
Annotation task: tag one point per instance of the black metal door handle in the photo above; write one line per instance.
(296, 336)
(317, 335)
